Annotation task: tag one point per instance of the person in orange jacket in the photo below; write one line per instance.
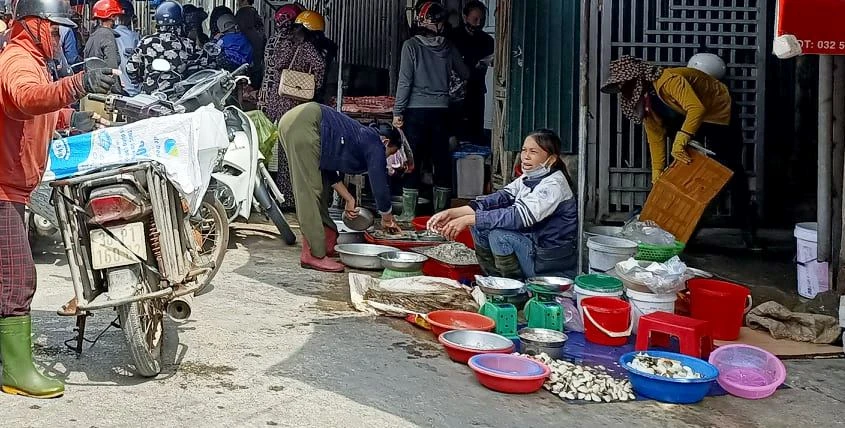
(32, 105)
(686, 104)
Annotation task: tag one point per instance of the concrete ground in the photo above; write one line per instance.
(275, 345)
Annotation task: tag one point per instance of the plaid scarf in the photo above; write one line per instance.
(630, 70)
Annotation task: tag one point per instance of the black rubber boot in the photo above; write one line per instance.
(508, 266)
(487, 261)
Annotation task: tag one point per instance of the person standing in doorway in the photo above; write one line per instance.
(476, 48)
(422, 104)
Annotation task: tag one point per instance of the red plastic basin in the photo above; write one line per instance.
(442, 321)
(465, 237)
(461, 354)
(507, 373)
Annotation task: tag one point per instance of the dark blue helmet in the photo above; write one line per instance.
(169, 14)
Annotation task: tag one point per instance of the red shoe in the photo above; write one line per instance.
(331, 241)
(326, 264)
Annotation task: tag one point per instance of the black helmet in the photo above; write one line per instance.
(55, 11)
(169, 14)
(194, 16)
(387, 130)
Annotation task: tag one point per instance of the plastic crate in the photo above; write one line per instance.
(659, 253)
(678, 199)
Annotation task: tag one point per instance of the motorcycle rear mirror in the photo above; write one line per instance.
(161, 65)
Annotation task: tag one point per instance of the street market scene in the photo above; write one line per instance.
(422, 213)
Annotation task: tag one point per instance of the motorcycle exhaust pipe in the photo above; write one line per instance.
(179, 309)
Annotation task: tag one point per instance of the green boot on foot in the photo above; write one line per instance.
(487, 261)
(509, 266)
(409, 205)
(442, 195)
(20, 376)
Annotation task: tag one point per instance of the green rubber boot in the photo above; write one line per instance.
(442, 195)
(509, 266)
(409, 205)
(487, 261)
(19, 374)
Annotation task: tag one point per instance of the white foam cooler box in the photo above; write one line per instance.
(813, 276)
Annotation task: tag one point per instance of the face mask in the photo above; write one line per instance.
(538, 171)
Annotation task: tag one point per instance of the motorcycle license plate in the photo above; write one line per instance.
(106, 252)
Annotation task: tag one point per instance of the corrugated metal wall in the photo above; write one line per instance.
(372, 29)
(543, 70)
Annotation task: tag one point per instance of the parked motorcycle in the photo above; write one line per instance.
(241, 182)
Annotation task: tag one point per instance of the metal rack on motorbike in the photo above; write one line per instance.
(128, 240)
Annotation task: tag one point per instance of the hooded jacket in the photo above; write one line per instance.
(424, 73)
(103, 44)
(31, 107)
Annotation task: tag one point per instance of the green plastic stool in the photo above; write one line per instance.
(540, 314)
(505, 316)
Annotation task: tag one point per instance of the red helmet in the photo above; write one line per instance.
(289, 12)
(431, 13)
(107, 9)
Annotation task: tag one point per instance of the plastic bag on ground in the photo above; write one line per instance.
(646, 232)
(660, 278)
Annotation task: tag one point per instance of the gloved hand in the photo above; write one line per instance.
(99, 80)
(655, 174)
(87, 121)
(679, 151)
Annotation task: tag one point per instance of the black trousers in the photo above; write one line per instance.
(427, 130)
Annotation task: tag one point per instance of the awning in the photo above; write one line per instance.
(818, 24)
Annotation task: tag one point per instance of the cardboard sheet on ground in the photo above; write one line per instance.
(186, 145)
(408, 296)
(784, 349)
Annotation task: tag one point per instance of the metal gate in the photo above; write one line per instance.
(669, 32)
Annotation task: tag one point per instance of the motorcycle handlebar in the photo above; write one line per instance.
(238, 71)
(98, 97)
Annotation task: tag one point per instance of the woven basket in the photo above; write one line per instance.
(659, 253)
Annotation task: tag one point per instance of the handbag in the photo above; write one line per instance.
(298, 85)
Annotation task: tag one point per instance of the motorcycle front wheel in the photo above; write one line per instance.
(265, 195)
(143, 327)
(210, 227)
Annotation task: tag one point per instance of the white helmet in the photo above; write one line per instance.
(710, 64)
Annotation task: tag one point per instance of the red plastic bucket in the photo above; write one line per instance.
(722, 303)
(607, 320)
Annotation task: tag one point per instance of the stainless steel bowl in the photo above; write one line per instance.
(477, 340)
(350, 238)
(362, 256)
(364, 221)
(551, 283)
(402, 261)
(493, 286)
(535, 341)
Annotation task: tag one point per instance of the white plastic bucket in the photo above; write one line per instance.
(647, 303)
(591, 231)
(607, 251)
(812, 275)
(581, 293)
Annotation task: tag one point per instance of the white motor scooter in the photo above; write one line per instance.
(242, 183)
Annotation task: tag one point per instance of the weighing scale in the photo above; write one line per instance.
(543, 310)
(501, 294)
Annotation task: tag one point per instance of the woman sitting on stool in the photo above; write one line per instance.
(528, 228)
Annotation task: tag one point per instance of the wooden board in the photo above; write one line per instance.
(784, 349)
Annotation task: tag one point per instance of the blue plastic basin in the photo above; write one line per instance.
(677, 391)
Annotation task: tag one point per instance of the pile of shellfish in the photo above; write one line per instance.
(665, 367)
(574, 382)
